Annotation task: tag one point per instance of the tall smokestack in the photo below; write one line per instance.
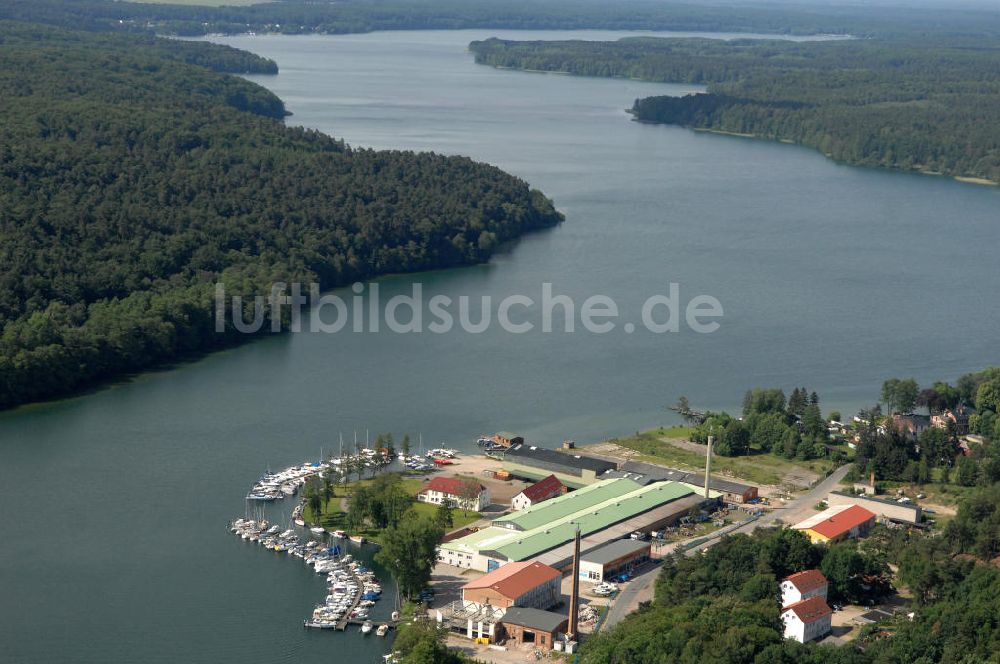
(574, 595)
(708, 465)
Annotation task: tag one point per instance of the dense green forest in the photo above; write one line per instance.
(723, 606)
(131, 181)
(927, 105)
(301, 16)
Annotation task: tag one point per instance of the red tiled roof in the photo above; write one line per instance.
(543, 489)
(810, 610)
(840, 523)
(514, 579)
(449, 485)
(807, 581)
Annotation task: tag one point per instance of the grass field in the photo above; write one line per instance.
(661, 446)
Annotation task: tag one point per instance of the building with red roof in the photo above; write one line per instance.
(525, 584)
(837, 522)
(462, 492)
(807, 620)
(543, 489)
(803, 585)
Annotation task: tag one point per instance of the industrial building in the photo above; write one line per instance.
(603, 511)
(534, 463)
(538, 628)
(524, 584)
(837, 523)
(883, 508)
(645, 473)
(609, 561)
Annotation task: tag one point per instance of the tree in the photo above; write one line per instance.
(424, 642)
(842, 566)
(763, 401)
(468, 493)
(797, 402)
(444, 517)
(937, 447)
(409, 551)
(900, 396)
(329, 486)
(965, 471)
(931, 400)
(406, 444)
(988, 395)
(315, 502)
(734, 441)
(767, 432)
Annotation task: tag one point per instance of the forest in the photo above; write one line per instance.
(722, 606)
(303, 16)
(135, 174)
(926, 105)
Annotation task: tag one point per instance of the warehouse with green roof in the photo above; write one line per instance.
(606, 510)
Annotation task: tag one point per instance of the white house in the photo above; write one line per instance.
(543, 489)
(803, 585)
(807, 620)
(464, 493)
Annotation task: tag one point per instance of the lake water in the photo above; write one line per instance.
(115, 503)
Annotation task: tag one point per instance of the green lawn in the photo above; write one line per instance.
(459, 516)
(657, 447)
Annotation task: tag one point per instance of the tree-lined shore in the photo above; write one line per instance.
(924, 104)
(136, 173)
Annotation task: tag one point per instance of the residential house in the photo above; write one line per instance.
(455, 491)
(807, 620)
(803, 585)
(550, 487)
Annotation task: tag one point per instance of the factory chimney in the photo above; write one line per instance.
(708, 465)
(574, 596)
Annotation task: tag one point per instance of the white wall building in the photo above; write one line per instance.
(803, 585)
(453, 490)
(807, 620)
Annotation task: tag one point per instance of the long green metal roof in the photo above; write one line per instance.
(531, 543)
(489, 537)
(567, 504)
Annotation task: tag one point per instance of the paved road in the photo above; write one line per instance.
(794, 511)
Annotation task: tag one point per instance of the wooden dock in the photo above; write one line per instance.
(346, 620)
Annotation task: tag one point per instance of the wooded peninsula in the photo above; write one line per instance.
(135, 174)
(925, 105)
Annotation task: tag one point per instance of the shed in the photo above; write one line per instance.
(532, 626)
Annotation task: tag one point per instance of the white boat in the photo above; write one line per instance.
(339, 534)
(357, 539)
(366, 627)
(382, 629)
(317, 530)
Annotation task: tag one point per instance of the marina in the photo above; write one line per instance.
(352, 588)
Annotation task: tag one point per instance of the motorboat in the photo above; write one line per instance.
(382, 630)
